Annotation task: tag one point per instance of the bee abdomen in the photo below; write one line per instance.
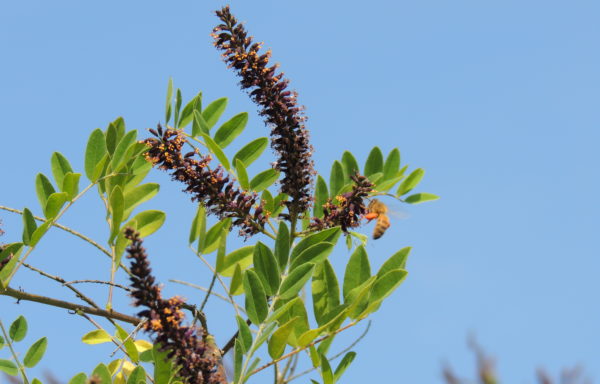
(383, 223)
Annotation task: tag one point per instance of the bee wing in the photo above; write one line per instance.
(395, 211)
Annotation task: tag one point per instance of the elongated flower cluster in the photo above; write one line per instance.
(277, 105)
(197, 364)
(210, 187)
(349, 208)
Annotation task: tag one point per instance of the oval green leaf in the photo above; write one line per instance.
(358, 270)
(54, 204)
(265, 266)
(330, 235)
(98, 336)
(18, 329)
(241, 257)
(336, 178)
(29, 226)
(231, 129)
(282, 245)
(321, 196)
(420, 198)
(137, 195)
(410, 182)
(213, 111)
(325, 291)
(103, 374)
(293, 282)
(392, 164)
(256, 299)
(313, 254)
(374, 162)
(396, 261)
(60, 167)
(217, 151)
(35, 353)
(264, 180)
(251, 151)
(94, 152)
(149, 221)
(279, 338)
(43, 188)
(242, 175)
(8, 367)
(80, 378)
(350, 164)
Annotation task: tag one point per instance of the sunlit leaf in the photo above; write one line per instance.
(325, 291)
(336, 178)
(293, 282)
(264, 180)
(149, 221)
(374, 162)
(282, 245)
(119, 157)
(231, 129)
(35, 353)
(187, 114)
(95, 151)
(410, 182)
(213, 111)
(358, 270)
(29, 226)
(9, 367)
(60, 167)
(350, 164)
(137, 195)
(18, 329)
(392, 164)
(420, 198)
(242, 175)
(54, 204)
(244, 332)
(321, 195)
(80, 378)
(71, 185)
(198, 229)
(169, 101)
(256, 300)
(251, 151)
(396, 261)
(43, 188)
(97, 336)
(265, 266)
(241, 256)
(102, 374)
(211, 242)
(313, 254)
(329, 235)
(217, 151)
(343, 365)
(279, 339)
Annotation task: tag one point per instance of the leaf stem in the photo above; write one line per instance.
(12, 351)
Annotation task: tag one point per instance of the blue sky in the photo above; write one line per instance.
(498, 101)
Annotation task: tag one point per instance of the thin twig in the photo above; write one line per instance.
(295, 351)
(218, 295)
(14, 354)
(99, 282)
(137, 327)
(334, 357)
(71, 231)
(20, 295)
(210, 287)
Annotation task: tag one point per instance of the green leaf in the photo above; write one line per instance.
(98, 336)
(330, 235)
(128, 343)
(374, 162)
(139, 169)
(279, 339)
(264, 180)
(344, 364)
(94, 152)
(54, 204)
(149, 221)
(410, 182)
(100, 171)
(236, 286)
(267, 331)
(169, 102)
(8, 367)
(213, 111)
(43, 188)
(71, 185)
(238, 360)
(251, 151)
(187, 114)
(396, 261)
(386, 284)
(18, 329)
(199, 125)
(29, 226)
(293, 282)
(178, 100)
(336, 178)
(245, 336)
(163, 367)
(325, 291)
(256, 300)
(103, 374)
(114, 134)
(265, 266)
(14, 249)
(296, 309)
(374, 178)
(392, 164)
(211, 242)
(282, 245)
(242, 175)
(321, 196)
(313, 254)
(119, 157)
(358, 270)
(137, 375)
(278, 203)
(350, 164)
(231, 129)
(222, 248)
(326, 372)
(60, 167)
(35, 353)
(241, 256)
(282, 310)
(198, 230)
(137, 195)
(117, 208)
(386, 185)
(420, 198)
(2, 342)
(218, 152)
(357, 299)
(80, 378)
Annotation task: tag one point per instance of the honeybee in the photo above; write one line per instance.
(378, 210)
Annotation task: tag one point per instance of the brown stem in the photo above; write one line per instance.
(20, 295)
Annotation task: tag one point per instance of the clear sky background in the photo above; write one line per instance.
(498, 101)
